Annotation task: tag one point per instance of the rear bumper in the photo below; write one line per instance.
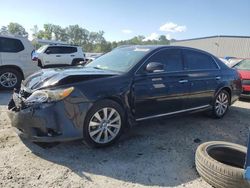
(245, 96)
(50, 122)
(246, 92)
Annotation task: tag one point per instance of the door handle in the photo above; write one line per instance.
(156, 79)
(72, 55)
(183, 81)
(217, 77)
(58, 56)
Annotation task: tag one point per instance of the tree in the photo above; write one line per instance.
(34, 31)
(163, 40)
(59, 33)
(16, 29)
(113, 45)
(77, 35)
(3, 30)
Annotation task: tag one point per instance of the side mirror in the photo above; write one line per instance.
(48, 52)
(155, 67)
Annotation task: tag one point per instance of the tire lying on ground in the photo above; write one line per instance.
(221, 164)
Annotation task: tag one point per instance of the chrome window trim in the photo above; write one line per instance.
(172, 113)
(184, 70)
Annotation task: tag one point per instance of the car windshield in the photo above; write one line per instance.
(120, 59)
(243, 65)
(41, 49)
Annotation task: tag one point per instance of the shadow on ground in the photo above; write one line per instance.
(157, 152)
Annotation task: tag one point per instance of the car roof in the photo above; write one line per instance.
(155, 47)
(63, 45)
(13, 37)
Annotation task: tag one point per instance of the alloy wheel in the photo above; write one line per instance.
(8, 79)
(104, 125)
(221, 104)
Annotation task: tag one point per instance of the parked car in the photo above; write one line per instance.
(15, 61)
(243, 68)
(129, 84)
(58, 55)
(92, 58)
(230, 61)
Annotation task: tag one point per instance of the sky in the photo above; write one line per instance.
(124, 19)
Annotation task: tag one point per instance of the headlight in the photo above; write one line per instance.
(41, 96)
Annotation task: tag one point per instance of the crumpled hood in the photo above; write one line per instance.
(245, 74)
(52, 77)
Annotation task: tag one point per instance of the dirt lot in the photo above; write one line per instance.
(156, 153)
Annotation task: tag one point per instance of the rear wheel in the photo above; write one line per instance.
(104, 124)
(221, 104)
(10, 78)
(76, 62)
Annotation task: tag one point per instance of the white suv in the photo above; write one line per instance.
(15, 61)
(52, 55)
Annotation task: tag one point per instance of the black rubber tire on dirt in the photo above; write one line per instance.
(16, 73)
(214, 113)
(221, 164)
(96, 107)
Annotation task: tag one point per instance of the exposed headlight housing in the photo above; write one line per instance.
(41, 96)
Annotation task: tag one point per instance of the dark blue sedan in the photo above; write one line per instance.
(129, 84)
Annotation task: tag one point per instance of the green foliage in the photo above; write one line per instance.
(76, 35)
(15, 29)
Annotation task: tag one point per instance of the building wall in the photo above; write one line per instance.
(220, 46)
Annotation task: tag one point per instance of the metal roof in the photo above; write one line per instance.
(221, 45)
(214, 36)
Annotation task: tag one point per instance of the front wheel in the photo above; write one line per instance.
(104, 124)
(221, 104)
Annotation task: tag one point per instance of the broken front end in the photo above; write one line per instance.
(48, 115)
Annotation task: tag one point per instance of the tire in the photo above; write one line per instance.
(221, 164)
(39, 64)
(76, 61)
(10, 78)
(221, 103)
(92, 124)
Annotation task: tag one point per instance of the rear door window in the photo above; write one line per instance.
(10, 45)
(69, 50)
(198, 61)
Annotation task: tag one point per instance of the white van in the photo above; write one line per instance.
(15, 61)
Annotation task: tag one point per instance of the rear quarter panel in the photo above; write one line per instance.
(231, 80)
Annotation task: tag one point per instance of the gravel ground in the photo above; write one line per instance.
(156, 153)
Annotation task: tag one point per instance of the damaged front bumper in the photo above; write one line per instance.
(49, 122)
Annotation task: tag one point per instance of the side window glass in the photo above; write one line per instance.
(67, 50)
(171, 59)
(72, 49)
(10, 45)
(198, 61)
(52, 50)
(61, 50)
